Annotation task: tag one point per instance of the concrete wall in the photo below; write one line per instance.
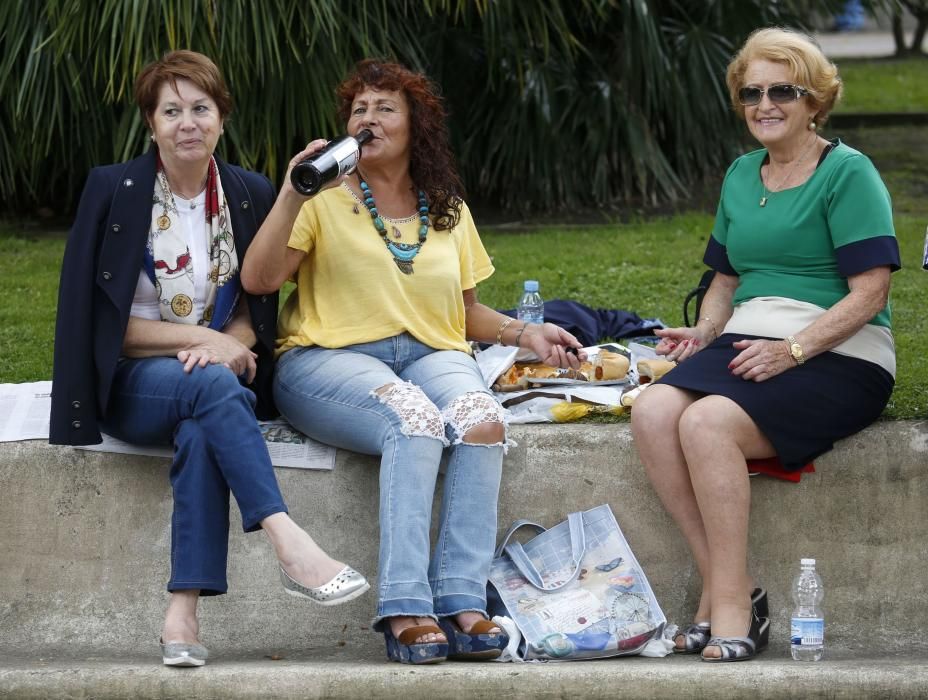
(85, 549)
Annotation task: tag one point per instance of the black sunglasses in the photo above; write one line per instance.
(778, 94)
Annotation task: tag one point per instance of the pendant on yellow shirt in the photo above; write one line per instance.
(402, 253)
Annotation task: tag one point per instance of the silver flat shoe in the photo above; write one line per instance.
(183, 654)
(347, 585)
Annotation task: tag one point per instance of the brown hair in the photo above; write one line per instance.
(431, 162)
(807, 64)
(181, 65)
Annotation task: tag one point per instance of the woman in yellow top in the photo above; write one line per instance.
(374, 355)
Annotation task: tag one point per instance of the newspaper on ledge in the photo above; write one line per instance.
(24, 415)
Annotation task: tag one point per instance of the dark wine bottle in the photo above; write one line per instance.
(339, 157)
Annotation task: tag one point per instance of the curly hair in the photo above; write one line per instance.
(431, 163)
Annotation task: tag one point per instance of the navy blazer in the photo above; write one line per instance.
(99, 275)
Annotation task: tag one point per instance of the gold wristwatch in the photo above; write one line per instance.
(795, 350)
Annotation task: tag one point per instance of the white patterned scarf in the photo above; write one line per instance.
(169, 263)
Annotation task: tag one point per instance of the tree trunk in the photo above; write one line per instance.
(899, 34)
(919, 9)
(919, 37)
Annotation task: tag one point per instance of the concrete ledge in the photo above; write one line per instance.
(84, 559)
(772, 675)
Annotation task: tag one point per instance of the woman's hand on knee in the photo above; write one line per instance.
(760, 360)
(221, 349)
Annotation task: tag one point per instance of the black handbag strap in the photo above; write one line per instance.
(698, 292)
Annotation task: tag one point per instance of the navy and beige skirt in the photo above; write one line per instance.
(802, 411)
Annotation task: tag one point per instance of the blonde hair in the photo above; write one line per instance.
(807, 64)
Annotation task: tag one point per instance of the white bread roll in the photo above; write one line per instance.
(652, 370)
(609, 365)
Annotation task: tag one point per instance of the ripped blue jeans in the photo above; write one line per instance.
(407, 402)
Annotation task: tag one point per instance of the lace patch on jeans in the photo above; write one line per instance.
(470, 410)
(419, 417)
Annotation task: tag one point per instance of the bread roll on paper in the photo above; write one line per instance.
(548, 372)
(520, 375)
(608, 365)
(652, 370)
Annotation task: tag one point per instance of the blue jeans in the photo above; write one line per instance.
(218, 447)
(407, 402)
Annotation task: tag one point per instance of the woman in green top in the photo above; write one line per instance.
(793, 348)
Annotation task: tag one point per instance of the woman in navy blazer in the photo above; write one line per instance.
(156, 342)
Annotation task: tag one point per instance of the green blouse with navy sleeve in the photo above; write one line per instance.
(807, 240)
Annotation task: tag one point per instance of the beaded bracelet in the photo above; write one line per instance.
(502, 327)
(714, 329)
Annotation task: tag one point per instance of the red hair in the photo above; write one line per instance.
(431, 163)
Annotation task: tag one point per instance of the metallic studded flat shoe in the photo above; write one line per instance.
(182, 654)
(347, 585)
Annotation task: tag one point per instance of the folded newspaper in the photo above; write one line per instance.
(24, 415)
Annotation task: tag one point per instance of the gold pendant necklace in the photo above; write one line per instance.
(779, 185)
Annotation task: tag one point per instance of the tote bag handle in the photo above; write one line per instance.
(577, 549)
(516, 526)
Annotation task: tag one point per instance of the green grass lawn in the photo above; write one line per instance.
(884, 85)
(28, 298)
(646, 267)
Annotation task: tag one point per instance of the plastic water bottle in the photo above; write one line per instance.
(807, 627)
(531, 306)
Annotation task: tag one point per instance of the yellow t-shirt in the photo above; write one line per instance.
(349, 290)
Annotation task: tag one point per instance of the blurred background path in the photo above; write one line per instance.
(875, 43)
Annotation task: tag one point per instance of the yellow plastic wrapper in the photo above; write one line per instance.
(565, 411)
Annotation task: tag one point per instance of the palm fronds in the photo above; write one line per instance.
(554, 103)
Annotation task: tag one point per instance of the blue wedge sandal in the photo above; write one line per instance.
(405, 650)
(477, 644)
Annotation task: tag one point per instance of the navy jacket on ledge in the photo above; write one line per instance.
(99, 275)
(591, 325)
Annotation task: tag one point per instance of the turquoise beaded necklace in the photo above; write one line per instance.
(403, 253)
